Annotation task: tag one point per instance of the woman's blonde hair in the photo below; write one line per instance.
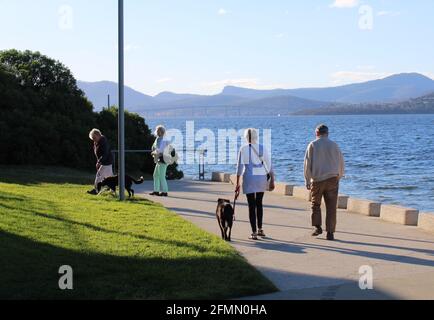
(160, 129)
(93, 133)
(251, 135)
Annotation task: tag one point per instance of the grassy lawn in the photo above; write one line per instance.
(133, 250)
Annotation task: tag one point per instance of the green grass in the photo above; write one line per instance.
(132, 250)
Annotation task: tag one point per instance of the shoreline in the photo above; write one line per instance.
(388, 212)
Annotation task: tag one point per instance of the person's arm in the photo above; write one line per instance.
(308, 167)
(104, 151)
(154, 146)
(240, 169)
(341, 164)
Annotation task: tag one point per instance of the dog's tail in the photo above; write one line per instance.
(140, 181)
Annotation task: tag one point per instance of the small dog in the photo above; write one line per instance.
(113, 183)
(225, 218)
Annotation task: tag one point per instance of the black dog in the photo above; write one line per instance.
(113, 183)
(225, 218)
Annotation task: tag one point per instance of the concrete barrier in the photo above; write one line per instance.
(302, 193)
(284, 189)
(401, 215)
(226, 177)
(426, 221)
(221, 177)
(343, 201)
(216, 176)
(366, 207)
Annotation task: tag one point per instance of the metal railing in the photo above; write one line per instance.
(202, 155)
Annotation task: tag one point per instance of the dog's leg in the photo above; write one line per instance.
(226, 234)
(223, 233)
(230, 234)
(221, 228)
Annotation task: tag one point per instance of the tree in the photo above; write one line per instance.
(46, 118)
(34, 70)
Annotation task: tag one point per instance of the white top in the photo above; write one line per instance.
(160, 145)
(251, 168)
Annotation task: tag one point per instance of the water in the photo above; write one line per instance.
(389, 158)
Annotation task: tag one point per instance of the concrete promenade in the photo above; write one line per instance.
(303, 267)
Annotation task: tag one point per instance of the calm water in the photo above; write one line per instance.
(389, 158)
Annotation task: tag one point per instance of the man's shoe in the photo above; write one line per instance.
(93, 192)
(164, 194)
(318, 231)
(330, 236)
(154, 194)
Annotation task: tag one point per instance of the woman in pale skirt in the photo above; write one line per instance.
(254, 165)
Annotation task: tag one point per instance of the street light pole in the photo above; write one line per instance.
(121, 117)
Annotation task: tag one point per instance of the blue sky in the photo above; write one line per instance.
(199, 46)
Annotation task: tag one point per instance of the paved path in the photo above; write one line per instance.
(303, 267)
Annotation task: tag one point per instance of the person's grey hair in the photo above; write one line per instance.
(322, 129)
(251, 135)
(93, 133)
(160, 129)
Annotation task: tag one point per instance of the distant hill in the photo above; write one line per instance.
(421, 105)
(237, 100)
(391, 89)
(97, 93)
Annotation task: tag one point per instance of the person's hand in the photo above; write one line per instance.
(308, 186)
(98, 166)
(237, 192)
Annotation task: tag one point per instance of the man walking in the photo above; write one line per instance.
(104, 165)
(324, 166)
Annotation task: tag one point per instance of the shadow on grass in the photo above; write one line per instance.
(29, 268)
(30, 271)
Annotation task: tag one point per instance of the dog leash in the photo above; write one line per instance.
(235, 205)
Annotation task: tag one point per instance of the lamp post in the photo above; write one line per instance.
(121, 116)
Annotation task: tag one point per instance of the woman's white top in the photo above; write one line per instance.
(254, 166)
(160, 145)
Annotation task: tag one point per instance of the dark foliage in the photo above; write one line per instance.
(45, 118)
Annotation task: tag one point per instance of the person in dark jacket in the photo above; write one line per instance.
(104, 165)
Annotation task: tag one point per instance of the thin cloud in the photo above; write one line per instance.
(164, 80)
(130, 47)
(222, 12)
(388, 13)
(344, 4)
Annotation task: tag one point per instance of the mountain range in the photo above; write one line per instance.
(421, 105)
(242, 101)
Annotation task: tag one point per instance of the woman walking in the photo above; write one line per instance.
(160, 182)
(254, 165)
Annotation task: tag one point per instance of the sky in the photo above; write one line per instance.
(200, 46)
